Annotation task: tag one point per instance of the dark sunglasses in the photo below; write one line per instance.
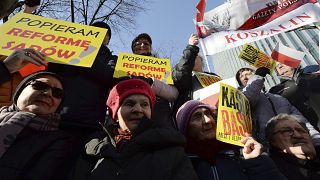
(139, 43)
(41, 86)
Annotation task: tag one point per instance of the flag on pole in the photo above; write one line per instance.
(201, 6)
(287, 56)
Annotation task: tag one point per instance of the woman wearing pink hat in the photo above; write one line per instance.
(136, 148)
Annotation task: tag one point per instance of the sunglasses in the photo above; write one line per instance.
(139, 43)
(41, 86)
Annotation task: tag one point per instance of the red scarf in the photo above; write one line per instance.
(122, 137)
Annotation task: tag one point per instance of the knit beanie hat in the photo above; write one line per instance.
(185, 111)
(102, 25)
(29, 78)
(126, 88)
(140, 36)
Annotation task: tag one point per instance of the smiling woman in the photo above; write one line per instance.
(39, 93)
(29, 134)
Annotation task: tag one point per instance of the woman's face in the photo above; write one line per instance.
(38, 97)
(142, 46)
(131, 111)
(202, 125)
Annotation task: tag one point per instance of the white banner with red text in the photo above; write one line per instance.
(243, 21)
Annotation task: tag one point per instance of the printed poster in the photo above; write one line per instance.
(146, 66)
(206, 79)
(61, 41)
(257, 58)
(234, 116)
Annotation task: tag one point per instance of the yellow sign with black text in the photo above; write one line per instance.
(206, 79)
(234, 115)
(257, 58)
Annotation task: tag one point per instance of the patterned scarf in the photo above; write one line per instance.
(122, 137)
(13, 121)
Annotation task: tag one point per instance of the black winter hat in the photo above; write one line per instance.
(238, 74)
(29, 78)
(140, 36)
(102, 25)
(32, 3)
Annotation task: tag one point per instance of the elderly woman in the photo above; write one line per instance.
(215, 160)
(136, 149)
(32, 147)
(291, 147)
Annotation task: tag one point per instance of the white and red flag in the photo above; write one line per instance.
(201, 6)
(287, 56)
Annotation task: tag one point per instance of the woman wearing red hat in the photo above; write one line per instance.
(135, 149)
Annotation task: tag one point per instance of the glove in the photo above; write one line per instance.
(262, 71)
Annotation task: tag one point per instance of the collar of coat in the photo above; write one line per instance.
(145, 138)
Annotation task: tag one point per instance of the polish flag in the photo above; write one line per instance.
(287, 56)
(201, 6)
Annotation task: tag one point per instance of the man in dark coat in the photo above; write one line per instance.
(291, 147)
(265, 105)
(302, 89)
(32, 146)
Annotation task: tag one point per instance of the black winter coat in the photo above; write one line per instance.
(231, 167)
(303, 91)
(294, 168)
(151, 154)
(183, 77)
(37, 155)
(86, 90)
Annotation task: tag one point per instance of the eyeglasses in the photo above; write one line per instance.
(139, 43)
(289, 132)
(41, 86)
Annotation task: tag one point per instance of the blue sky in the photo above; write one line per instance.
(169, 23)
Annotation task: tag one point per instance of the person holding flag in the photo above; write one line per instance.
(299, 86)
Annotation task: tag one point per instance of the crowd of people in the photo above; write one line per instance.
(72, 123)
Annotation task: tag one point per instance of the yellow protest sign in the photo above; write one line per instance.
(206, 79)
(62, 42)
(146, 66)
(234, 116)
(257, 58)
